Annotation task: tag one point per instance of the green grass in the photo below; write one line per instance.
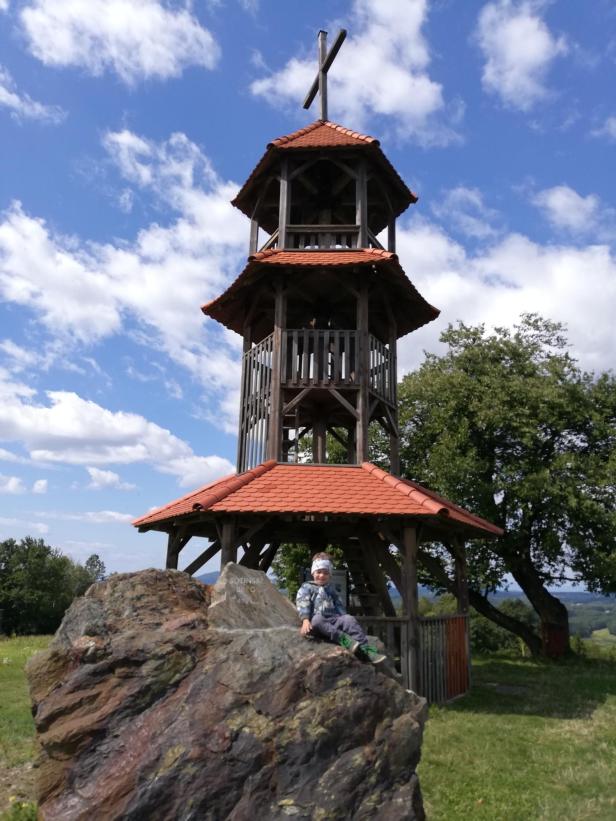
(16, 724)
(531, 742)
(604, 638)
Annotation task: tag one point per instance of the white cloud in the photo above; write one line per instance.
(565, 208)
(4, 5)
(574, 285)
(518, 48)
(607, 130)
(11, 484)
(568, 211)
(99, 517)
(72, 430)
(106, 479)
(83, 292)
(464, 209)
(381, 71)
(40, 486)
(136, 39)
(8, 456)
(21, 527)
(22, 106)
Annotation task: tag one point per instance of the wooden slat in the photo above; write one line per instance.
(202, 558)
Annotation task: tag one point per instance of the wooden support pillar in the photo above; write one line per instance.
(176, 541)
(361, 204)
(274, 439)
(319, 440)
(252, 554)
(409, 583)
(228, 543)
(391, 235)
(284, 203)
(254, 237)
(364, 365)
(394, 438)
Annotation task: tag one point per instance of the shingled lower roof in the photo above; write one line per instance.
(279, 488)
(411, 309)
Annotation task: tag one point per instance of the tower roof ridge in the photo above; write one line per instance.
(323, 139)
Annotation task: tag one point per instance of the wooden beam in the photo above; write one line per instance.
(391, 235)
(375, 573)
(202, 558)
(252, 554)
(296, 400)
(344, 402)
(268, 557)
(177, 540)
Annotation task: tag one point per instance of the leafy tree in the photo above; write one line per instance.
(37, 584)
(95, 567)
(507, 425)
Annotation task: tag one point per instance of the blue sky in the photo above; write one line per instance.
(126, 126)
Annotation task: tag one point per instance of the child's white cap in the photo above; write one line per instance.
(322, 564)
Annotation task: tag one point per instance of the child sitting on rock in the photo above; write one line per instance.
(323, 615)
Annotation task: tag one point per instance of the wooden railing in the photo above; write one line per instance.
(382, 371)
(326, 357)
(255, 407)
(316, 237)
(319, 358)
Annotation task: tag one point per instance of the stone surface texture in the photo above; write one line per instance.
(163, 698)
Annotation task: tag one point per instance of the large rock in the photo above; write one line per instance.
(162, 698)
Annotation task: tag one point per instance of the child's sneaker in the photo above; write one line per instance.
(348, 643)
(372, 654)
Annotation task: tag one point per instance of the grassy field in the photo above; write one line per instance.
(532, 741)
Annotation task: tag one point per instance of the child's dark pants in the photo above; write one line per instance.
(330, 627)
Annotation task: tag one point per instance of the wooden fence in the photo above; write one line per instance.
(255, 408)
(442, 656)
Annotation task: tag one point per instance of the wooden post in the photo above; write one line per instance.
(364, 362)
(409, 584)
(319, 440)
(254, 237)
(361, 205)
(274, 439)
(176, 541)
(394, 438)
(228, 543)
(284, 203)
(391, 235)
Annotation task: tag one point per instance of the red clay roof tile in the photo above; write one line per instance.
(322, 134)
(317, 489)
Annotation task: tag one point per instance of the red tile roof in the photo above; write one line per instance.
(355, 256)
(274, 487)
(411, 309)
(318, 135)
(322, 134)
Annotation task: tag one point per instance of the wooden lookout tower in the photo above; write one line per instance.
(321, 305)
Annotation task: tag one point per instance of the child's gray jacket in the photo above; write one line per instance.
(316, 598)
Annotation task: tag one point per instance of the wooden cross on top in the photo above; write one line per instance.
(325, 61)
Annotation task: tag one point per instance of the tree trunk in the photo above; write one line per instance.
(483, 606)
(551, 611)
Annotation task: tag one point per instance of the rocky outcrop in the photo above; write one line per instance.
(162, 698)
